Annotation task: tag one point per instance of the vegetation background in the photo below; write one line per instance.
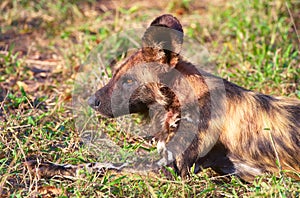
(254, 43)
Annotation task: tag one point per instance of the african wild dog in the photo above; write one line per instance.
(204, 121)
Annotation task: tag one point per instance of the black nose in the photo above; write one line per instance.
(94, 102)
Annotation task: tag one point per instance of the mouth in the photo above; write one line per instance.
(106, 116)
(101, 113)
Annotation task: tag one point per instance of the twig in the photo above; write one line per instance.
(18, 127)
(39, 62)
(278, 159)
(2, 103)
(221, 176)
(4, 52)
(294, 25)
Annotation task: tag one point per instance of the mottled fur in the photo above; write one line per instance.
(203, 120)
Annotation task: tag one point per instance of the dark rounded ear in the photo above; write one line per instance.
(166, 33)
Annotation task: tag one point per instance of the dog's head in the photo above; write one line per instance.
(140, 79)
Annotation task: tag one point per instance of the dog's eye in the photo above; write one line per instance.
(128, 81)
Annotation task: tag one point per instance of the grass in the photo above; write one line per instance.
(43, 45)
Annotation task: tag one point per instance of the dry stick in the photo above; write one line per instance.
(276, 153)
(99, 59)
(132, 40)
(4, 52)
(277, 157)
(221, 176)
(294, 25)
(19, 127)
(43, 62)
(31, 106)
(35, 181)
(2, 103)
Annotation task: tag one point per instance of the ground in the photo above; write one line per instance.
(44, 43)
